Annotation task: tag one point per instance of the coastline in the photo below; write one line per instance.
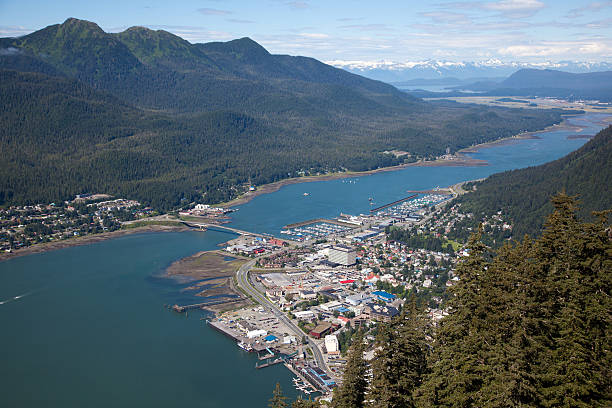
(88, 239)
(460, 159)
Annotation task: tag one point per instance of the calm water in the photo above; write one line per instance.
(88, 327)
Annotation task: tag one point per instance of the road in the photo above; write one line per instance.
(242, 279)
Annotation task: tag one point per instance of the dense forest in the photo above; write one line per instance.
(524, 195)
(528, 328)
(146, 115)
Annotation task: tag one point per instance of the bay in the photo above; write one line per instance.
(86, 326)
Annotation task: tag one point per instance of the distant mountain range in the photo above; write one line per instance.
(147, 115)
(534, 82)
(406, 71)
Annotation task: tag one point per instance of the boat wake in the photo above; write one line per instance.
(14, 298)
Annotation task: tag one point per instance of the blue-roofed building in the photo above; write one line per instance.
(385, 296)
(270, 338)
(343, 309)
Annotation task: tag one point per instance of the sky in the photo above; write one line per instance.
(354, 30)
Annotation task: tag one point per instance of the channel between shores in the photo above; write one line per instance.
(460, 159)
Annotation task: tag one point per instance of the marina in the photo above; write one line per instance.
(382, 207)
(316, 229)
(413, 209)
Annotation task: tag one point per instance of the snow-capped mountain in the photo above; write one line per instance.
(390, 71)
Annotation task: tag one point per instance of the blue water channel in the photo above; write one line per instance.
(86, 326)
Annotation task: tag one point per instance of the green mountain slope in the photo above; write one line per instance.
(148, 115)
(524, 195)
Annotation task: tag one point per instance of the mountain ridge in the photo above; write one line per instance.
(146, 115)
(392, 71)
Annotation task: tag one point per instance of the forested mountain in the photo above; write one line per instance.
(148, 115)
(524, 195)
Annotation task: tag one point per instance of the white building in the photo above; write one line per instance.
(342, 255)
(304, 315)
(256, 333)
(331, 344)
(330, 306)
(359, 298)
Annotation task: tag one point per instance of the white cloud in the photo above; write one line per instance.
(213, 12)
(314, 35)
(515, 5)
(14, 31)
(590, 8)
(582, 48)
(240, 21)
(534, 50)
(367, 27)
(507, 8)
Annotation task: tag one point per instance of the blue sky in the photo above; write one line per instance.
(355, 30)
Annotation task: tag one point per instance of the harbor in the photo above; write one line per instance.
(315, 229)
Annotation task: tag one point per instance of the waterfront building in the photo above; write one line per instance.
(256, 333)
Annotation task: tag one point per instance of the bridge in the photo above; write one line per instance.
(223, 228)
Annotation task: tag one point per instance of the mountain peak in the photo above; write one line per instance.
(75, 24)
(241, 47)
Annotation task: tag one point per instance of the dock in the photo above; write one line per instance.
(222, 328)
(440, 191)
(235, 335)
(181, 309)
(317, 221)
(270, 363)
(382, 207)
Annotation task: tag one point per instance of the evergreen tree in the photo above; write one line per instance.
(531, 327)
(575, 261)
(456, 366)
(278, 400)
(302, 403)
(508, 348)
(400, 361)
(351, 394)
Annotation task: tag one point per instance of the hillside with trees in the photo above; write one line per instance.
(523, 196)
(147, 115)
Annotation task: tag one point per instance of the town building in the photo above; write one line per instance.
(331, 344)
(321, 330)
(342, 255)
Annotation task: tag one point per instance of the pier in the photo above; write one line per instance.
(316, 221)
(270, 363)
(382, 207)
(181, 309)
